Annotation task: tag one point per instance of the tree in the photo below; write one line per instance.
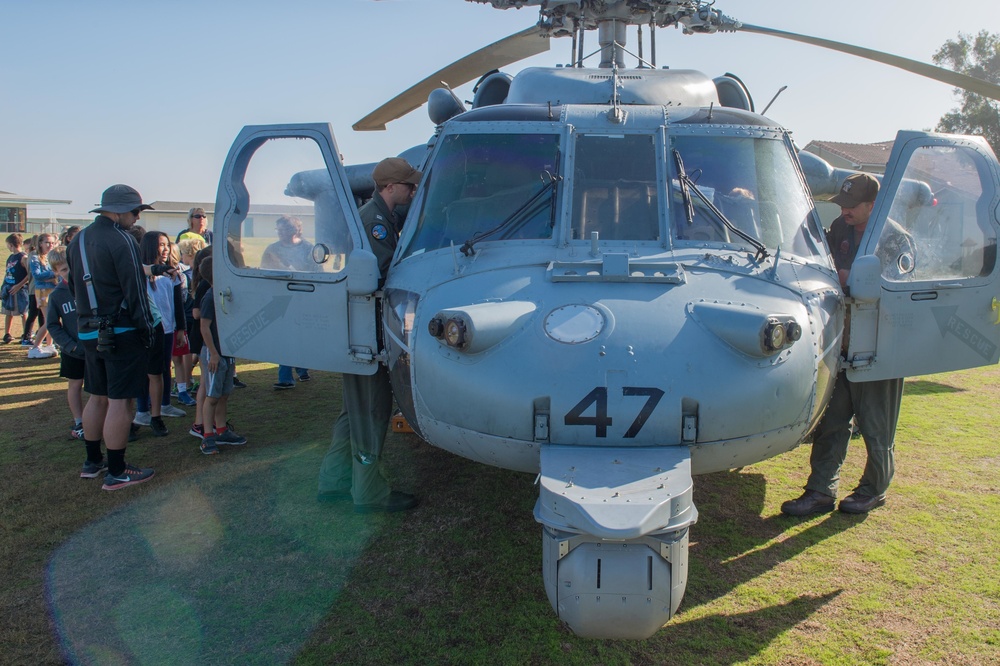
(977, 56)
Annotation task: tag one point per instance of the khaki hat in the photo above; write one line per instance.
(120, 199)
(857, 188)
(395, 170)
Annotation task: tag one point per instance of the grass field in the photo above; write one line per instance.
(229, 559)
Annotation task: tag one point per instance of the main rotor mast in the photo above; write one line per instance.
(610, 18)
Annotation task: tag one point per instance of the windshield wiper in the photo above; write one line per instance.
(683, 179)
(688, 185)
(467, 247)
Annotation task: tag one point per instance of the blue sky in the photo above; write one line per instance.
(152, 94)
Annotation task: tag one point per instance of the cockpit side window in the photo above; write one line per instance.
(614, 187)
(481, 181)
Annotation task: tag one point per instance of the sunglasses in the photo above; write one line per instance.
(200, 217)
(136, 211)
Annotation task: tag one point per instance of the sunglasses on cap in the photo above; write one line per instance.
(199, 216)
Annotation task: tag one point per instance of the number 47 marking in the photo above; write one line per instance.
(600, 420)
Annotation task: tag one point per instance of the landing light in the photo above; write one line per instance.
(774, 335)
(778, 334)
(454, 333)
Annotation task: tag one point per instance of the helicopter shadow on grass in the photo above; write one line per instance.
(732, 544)
(925, 387)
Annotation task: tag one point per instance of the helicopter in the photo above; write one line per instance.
(613, 278)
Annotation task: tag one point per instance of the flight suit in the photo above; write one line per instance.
(351, 463)
(875, 405)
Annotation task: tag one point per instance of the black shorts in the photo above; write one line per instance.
(119, 374)
(71, 367)
(155, 353)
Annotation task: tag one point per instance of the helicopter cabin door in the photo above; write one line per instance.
(294, 275)
(925, 285)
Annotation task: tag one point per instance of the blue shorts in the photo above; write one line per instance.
(16, 304)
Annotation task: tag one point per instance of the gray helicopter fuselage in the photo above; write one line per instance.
(613, 310)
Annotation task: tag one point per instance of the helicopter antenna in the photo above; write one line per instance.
(652, 43)
(780, 90)
(615, 115)
(576, 38)
(639, 39)
(579, 52)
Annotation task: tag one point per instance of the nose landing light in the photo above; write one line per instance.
(779, 333)
(476, 328)
(746, 328)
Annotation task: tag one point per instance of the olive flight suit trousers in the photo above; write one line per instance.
(876, 407)
(352, 462)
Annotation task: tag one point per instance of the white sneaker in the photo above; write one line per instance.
(142, 418)
(40, 352)
(170, 410)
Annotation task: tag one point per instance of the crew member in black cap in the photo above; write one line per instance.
(875, 405)
(350, 469)
(108, 282)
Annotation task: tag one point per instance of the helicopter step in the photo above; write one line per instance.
(615, 536)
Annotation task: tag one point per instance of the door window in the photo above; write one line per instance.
(933, 231)
(289, 206)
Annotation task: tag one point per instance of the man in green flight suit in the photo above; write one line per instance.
(350, 468)
(875, 404)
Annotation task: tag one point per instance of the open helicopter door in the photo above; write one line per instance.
(925, 283)
(294, 275)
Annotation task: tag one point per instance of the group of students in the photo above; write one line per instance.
(183, 337)
(185, 333)
(29, 280)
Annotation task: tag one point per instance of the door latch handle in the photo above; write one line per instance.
(227, 295)
(995, 306)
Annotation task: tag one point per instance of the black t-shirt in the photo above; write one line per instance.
(208, 312)
(195, 341)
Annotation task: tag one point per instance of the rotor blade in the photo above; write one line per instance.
(510, 49)
(970, 83)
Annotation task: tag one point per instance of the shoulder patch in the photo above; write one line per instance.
(379, 232)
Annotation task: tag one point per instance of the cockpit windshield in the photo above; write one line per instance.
(753, 182)
(739, 191)
(479, 181)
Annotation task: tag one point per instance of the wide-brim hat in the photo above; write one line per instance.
(857, 188)
(121, 199)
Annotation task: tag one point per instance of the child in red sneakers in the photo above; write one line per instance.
(216, 375)
(61, 322)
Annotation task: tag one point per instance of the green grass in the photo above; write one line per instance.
(229, 559)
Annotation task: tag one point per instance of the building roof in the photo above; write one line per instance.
(10, 198)
(859, 154)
